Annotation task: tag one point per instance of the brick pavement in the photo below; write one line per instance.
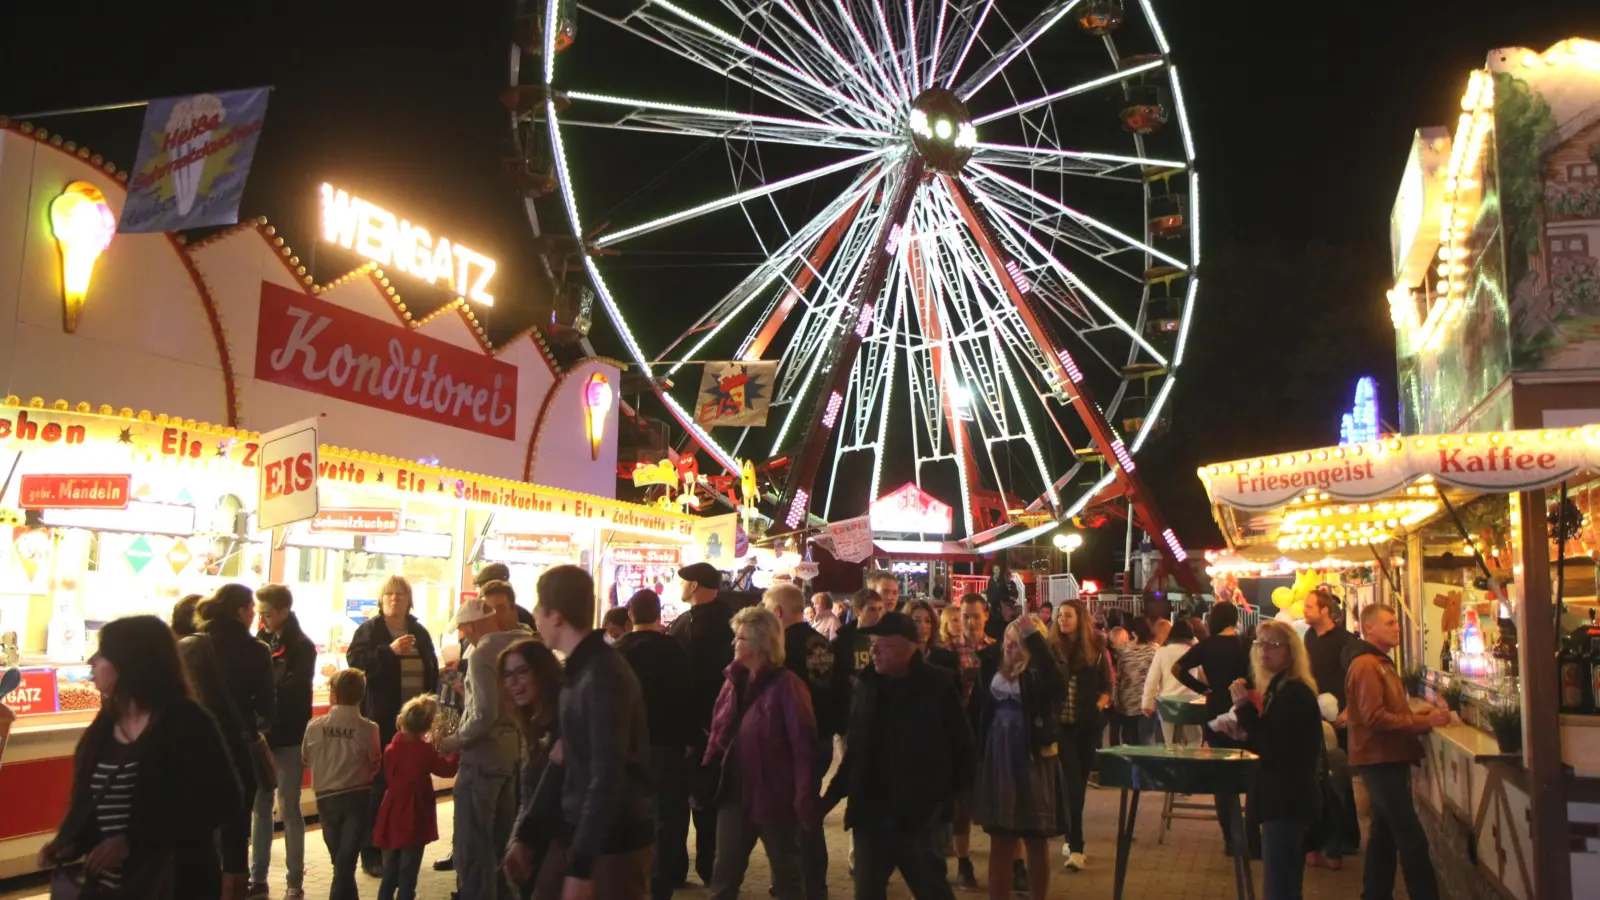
(1189, 866)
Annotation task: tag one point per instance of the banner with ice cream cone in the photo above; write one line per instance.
(194, 155)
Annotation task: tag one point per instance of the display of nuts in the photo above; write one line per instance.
(78, 695)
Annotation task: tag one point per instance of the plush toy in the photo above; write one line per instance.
(1283, 597)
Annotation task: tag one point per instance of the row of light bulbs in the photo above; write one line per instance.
(1460, 203)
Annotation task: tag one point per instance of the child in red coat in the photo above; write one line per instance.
(407, 820)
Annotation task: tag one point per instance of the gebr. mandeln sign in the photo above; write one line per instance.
(315, 346)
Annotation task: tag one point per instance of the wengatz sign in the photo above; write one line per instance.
(307, 343)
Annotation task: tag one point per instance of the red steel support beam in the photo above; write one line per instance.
(795, 502)
(1146, 513)
(802, 282)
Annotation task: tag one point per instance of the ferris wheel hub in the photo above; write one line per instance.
(941, 130)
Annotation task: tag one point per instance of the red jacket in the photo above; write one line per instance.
(408, 816)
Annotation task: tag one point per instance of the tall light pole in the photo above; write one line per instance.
(1066, 542)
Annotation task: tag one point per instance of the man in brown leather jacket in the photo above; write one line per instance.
(1384, 743)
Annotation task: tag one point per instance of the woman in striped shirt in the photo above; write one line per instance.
(152, 780)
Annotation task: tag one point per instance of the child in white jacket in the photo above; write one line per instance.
(342, 750)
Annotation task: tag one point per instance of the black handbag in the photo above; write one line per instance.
(705, 790)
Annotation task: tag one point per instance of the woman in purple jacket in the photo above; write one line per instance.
(762, 732)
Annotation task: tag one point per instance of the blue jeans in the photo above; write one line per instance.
(344, 828)
(485, 810)
(291, 772)
(400, 868)
(1395, 837)
(1283, 858)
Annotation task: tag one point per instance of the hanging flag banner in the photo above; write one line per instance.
(194, 156)
(852, 539)
(288, 475)
(735, 393)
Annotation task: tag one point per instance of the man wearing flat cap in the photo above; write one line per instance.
(705, 632)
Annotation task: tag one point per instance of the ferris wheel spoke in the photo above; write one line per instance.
(733, 304)
(1083, 88)
(716, 50)
(1006, 224)
(849, 21)
(616, 237)
(1019, 43)
(1082, 218)
(705, 122)
(1073, 162)
(878, 92)
(808, 46)
(782, 66)
(894, 54)
(966, 46)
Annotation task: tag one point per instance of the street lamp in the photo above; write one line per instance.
(1066, 542)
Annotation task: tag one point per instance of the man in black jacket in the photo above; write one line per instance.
(807, 654)
(604, 842)
(1326, 643)
(294, 662)
(909, 753)
(705, 631)
(662, 666)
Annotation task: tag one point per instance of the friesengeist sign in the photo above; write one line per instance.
(309, 344)
(1498, 462)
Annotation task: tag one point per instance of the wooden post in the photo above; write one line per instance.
(1538, 685)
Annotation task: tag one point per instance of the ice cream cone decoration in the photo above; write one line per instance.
(597, 397)
(83, 225)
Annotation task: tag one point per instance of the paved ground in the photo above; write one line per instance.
(1189, 866)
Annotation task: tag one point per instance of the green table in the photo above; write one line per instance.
(1180, 770)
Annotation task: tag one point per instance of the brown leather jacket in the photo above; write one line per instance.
(1383, 729)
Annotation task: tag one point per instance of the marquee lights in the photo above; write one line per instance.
(831, 415)
(370, 231)
(83, 225)
(1071, 365)
(797, 509)
(1178, 552)
(1124, 458)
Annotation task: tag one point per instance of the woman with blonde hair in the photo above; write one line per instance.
(762, 735)
(1283, 725)
(1088, 669)
(1019, 794)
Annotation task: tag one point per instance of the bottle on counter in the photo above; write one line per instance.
(1573, 666)
(1446, 660)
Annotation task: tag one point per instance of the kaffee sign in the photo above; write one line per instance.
(312, 345)
(1497, 462)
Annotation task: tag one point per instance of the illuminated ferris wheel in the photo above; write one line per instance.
(997, 252)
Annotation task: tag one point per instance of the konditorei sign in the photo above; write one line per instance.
(1497, 462)
(312, 345)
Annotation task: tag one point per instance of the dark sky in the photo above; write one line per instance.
(1302, 113)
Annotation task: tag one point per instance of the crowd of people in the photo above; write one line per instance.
(581, 754)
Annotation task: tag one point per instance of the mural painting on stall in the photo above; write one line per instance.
(1547, 122)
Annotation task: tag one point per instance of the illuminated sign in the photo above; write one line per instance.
(373, 232)
(83, 227)
(558, 544)
(1360, 425)
(649, 556)
(75, 491)
(358, 520)
(910, 509)
(909, 568)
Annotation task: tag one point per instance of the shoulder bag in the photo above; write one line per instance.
(706, 792)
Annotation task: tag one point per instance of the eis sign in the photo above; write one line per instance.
(315, 346)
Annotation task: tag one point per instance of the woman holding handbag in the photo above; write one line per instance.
(758, 757)
(152, 781)
(246, 665)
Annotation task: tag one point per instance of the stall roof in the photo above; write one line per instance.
(951, 551)
(1352, 500)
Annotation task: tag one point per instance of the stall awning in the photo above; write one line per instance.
(1356, 497)
(949, 551)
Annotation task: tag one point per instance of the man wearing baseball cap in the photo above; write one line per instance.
(908, 752)
(705, 631)
(485, 802)
(502, 572)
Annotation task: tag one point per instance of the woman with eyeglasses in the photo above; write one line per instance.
(1284, 727)
(531, 676)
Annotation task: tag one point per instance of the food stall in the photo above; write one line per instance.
(440, 450)
(1476, 517)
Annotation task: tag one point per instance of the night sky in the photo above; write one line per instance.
(1302, 112)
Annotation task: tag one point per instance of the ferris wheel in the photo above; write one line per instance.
(976, 231)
